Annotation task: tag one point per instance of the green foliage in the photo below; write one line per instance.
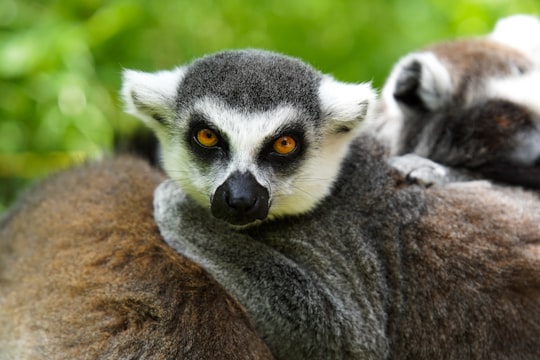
(60, 61)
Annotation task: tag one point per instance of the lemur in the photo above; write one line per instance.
(470, 104)
(84, 274)
(276, 193)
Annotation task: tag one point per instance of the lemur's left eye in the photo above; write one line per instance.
(284, 145)
(207, 138)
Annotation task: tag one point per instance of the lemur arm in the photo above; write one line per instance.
(422, 171)
(273, 288)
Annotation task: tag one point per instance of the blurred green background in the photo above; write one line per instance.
(60, 61)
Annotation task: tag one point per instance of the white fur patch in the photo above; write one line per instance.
(146, 93)
(294, 193)
(521, 32)
(246, 131)
(523, 90)
(344, 101)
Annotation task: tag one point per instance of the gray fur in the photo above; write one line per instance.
(363, 276)
(252, 80)
(374, 269)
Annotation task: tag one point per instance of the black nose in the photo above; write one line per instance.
(240, 200)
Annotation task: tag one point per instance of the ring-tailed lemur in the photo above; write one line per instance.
(471, 104)
(265, 139)
(342, 260)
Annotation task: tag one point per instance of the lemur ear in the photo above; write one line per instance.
(345, 105)
(419, 82)
(521, 32)
(151, 96)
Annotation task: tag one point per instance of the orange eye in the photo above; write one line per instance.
(207, 138)
(284, 145)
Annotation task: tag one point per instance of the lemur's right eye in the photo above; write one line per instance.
(207, 138)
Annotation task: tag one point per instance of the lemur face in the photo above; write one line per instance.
(471, 102)
(250, 134)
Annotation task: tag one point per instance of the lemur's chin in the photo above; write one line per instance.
(240, 200)
(242, 221)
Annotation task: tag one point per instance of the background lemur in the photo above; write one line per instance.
(331, 254)
(471, 104)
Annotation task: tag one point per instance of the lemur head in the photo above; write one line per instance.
(468, 102)
(250, 134)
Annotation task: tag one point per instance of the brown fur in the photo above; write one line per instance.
(469, 277)
(84, 274)
(477, 59)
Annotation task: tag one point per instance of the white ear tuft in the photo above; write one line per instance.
(521, 32)
(344, 103)
(151, 96)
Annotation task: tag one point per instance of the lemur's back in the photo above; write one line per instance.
(85, 274)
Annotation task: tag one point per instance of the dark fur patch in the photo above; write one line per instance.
(528, 176)
(407, 86)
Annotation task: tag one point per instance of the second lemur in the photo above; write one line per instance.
(470, 104)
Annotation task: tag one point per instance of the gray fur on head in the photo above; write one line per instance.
(252, 80)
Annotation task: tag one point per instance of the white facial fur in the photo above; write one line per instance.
(245, 133)
(345, 102)
(343, 108)
(295, 193)
(157, 91)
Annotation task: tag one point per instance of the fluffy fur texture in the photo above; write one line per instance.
(470, 103)
(379, 270)
(84, 274)
(376, 269)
